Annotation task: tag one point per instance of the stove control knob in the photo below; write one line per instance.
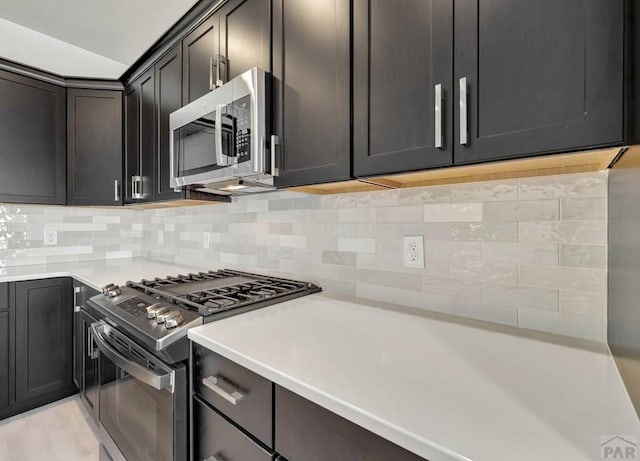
(173, 320)
(152, 311)
(162, 314)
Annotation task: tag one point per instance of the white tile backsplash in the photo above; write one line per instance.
(529, 252)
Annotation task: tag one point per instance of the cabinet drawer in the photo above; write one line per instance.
(308, 432)
(4, 296)
(217, 438)
(238, 393)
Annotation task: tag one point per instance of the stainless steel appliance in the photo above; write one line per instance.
(219, 141)
(143, 351)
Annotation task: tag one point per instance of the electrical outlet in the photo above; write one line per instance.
(160, 236)
(50, 237)
(413, 249)
(206, 239)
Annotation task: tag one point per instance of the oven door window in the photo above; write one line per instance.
(138, 417)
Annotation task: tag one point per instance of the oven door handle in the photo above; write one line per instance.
(159, 382)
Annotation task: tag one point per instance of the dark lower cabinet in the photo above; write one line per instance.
(308, 432)
(85, 356)
(43, 340)
(94, 147)
(403, 54)
(218, 439)
(539, 77)
(6, 337)
(311, 95)
(32, 130)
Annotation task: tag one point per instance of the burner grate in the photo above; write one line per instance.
(207, 293)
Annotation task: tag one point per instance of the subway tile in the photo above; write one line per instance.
(400, 214)
(357, 245)
(564, 278)
(422, 195)
(583, 256)
(574, 232)
(488, 191)
(452, 287)
(453, 212)
(583, 208)
(524, 253)
(357, 215)
(341, 258)
(507, 232)
(506, 315)
(483, 271)
(580, 302)
(514, 295)
(570, 185)
(563, 323)
(524, 210)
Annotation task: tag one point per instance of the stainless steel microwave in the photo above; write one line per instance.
(219, 141)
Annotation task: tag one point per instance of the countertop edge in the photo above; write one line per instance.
(407, 440)
(49, 275)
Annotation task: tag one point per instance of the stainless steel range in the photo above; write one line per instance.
(142, 343)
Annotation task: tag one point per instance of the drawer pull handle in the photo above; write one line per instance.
(215, 382)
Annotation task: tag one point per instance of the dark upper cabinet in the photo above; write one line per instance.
(43, 340)
(311, 94)
(245, 37)
(6, 338)
(132, 143)
(33, 147)
(541, 76)
(140, 139)
(403, 56)
(200, 59)
(168, 99)
(94, 147)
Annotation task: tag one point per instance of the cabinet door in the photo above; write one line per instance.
(312, 90)
(245, 37)
(43, 338)
(89, 390)
(94, 147)
(33, 147)
(168, 98)
(403, 55)
(147, 135)
(6, 337)
(541, 76)
(132, 140)
(308, 432)
(200, 56)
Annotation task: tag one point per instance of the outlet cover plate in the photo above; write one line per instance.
(413, 251)
(50, 237)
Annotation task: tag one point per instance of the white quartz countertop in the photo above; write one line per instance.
(443, 389)
(96, 274)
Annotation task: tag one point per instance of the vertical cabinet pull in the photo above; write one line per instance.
(464, 117)
(136, 187)
(76, 304)
(211, 64)
(116, 190)
(221, 60)
(438, 116)
(275, 142)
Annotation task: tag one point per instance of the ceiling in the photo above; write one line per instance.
(84, 38)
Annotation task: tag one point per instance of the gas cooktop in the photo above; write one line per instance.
(159, 312)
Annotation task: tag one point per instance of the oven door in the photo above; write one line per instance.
(143, 401)
(221, 135)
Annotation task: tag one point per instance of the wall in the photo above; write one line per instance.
(529, 252)
(83, 234)
(624, 270)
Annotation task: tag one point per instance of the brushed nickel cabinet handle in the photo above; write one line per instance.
(464, 129)
(438, 116)
(275, 142)
(211, 64)
(116, 190)
(214, 382)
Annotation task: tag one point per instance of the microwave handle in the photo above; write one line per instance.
(221, 158)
